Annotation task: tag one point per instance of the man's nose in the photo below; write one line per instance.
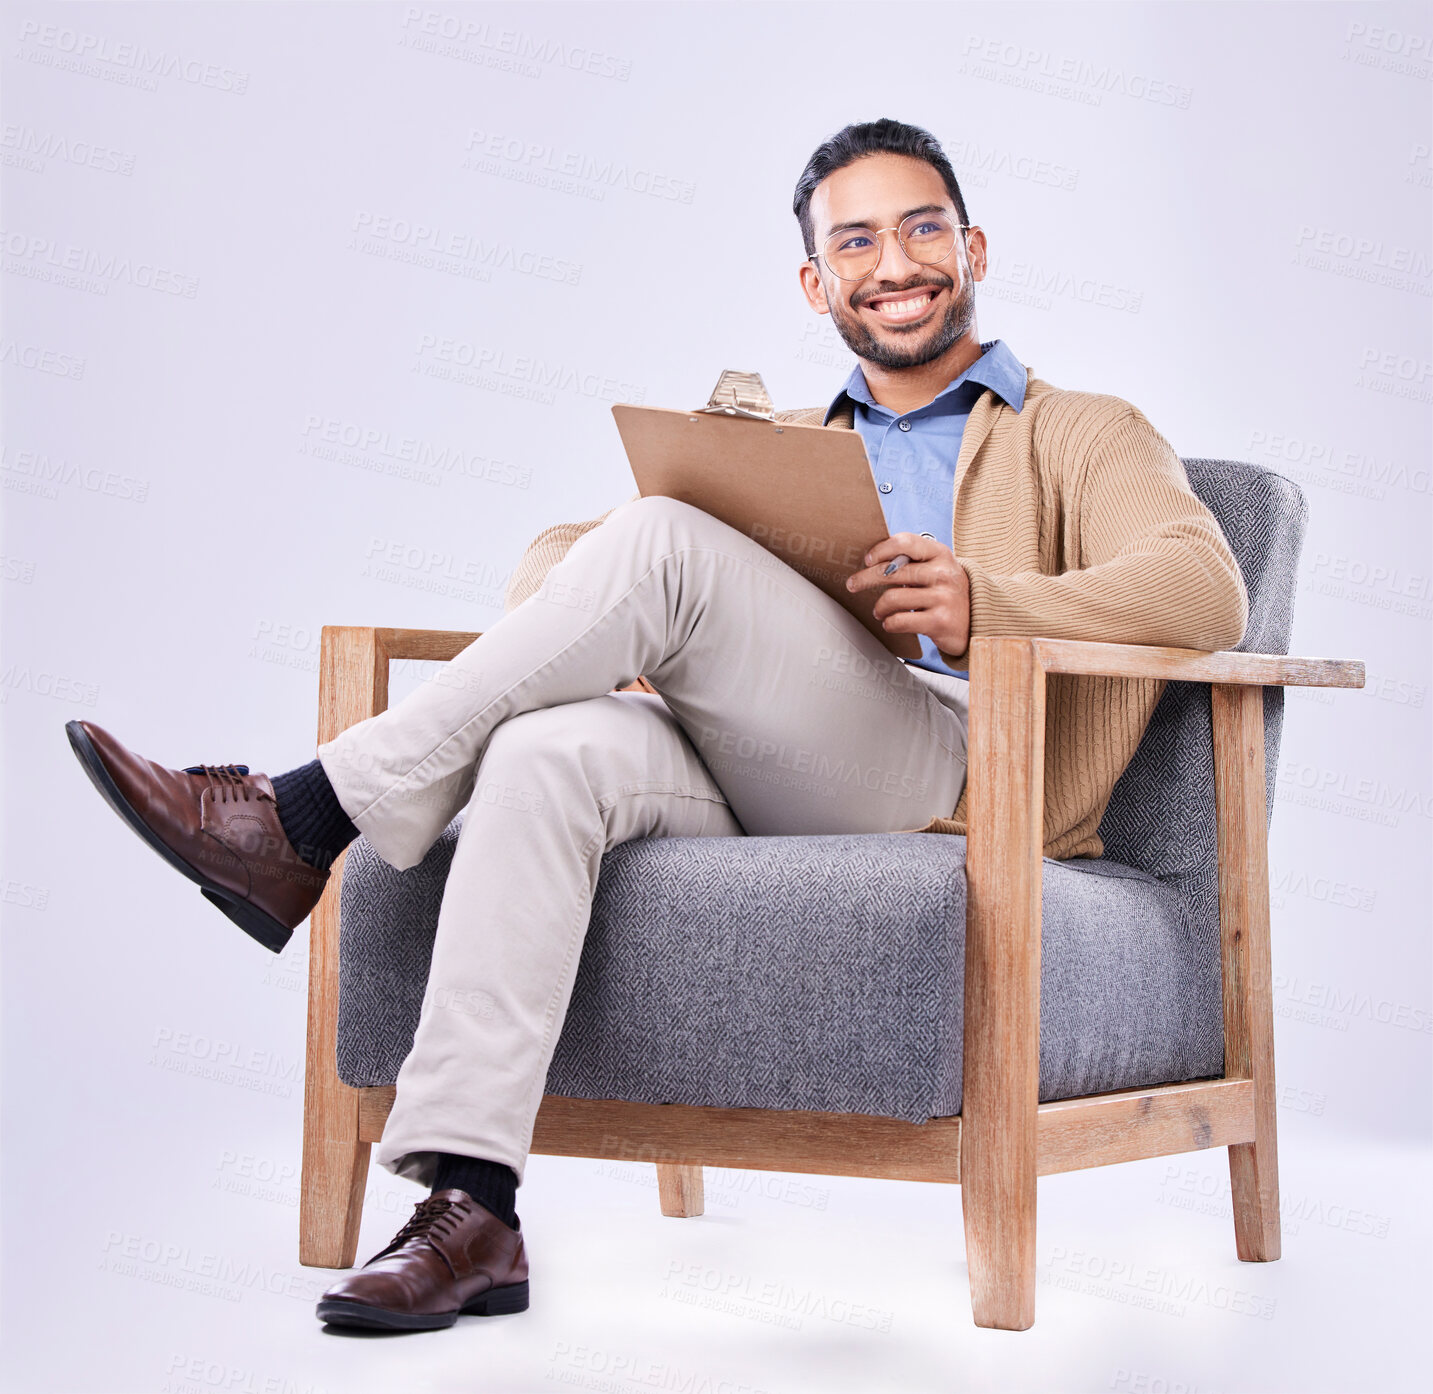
(894, 264)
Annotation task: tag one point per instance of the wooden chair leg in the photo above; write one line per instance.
(1238, 714)
(335, 1162)
(679, 1188)
(331, 1201)
(1002, 980)
(352, 685)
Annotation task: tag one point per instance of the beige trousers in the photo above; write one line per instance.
(779, 713)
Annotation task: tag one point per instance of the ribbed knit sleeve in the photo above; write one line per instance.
(544, 552)
(1152, 567)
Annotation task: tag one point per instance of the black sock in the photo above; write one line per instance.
(311, 814)
(492, 1184)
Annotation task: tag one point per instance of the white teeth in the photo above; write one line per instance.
(902, 307)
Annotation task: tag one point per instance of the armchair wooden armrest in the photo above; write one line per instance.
(1190, 665)
(1007, 1138)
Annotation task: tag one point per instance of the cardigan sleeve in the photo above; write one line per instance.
(1153, 565)
(544, 552)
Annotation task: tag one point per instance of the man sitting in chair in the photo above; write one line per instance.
(1024, 509)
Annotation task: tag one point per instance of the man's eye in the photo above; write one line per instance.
(855, 242)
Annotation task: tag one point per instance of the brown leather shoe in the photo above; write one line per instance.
(217, 824)
(453, 1257)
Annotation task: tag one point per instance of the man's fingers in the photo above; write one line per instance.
(907, 622)
(913, 573)
(905, 598)
(911, 543)
(876, 575)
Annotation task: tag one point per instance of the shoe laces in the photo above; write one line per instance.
(224, 779)
(434, 1216)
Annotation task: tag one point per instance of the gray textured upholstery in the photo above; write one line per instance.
(827, 972)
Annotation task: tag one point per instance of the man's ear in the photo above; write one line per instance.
(977, 251)
(813, 288)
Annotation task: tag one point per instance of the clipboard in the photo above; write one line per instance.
(805, 493)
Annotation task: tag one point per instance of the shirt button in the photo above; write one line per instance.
(886, 488)
(904, 425)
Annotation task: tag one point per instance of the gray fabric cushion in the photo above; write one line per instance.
(799, 972)
(827, 972)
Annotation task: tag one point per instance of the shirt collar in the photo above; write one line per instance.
(997, 368)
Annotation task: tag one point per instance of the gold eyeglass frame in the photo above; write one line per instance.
(876, 233)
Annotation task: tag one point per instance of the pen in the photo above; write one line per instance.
(896, 563)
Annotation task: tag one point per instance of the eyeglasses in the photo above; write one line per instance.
(852, 253)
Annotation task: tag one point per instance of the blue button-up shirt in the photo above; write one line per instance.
(913, 455)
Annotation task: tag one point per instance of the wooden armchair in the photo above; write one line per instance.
(1003, 1138)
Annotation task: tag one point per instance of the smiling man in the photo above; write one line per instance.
(1023, 509)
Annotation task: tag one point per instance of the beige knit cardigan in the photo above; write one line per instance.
(1075, 520)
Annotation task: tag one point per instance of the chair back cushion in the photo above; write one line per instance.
(1161, 815)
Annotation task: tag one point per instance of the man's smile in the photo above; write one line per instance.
(903, 306)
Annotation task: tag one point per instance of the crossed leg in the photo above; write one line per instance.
(779, 713)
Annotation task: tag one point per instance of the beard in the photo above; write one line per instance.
(909, 350)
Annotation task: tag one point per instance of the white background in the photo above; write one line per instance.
(1218, 212)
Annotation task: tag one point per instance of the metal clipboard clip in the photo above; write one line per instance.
(741, 394)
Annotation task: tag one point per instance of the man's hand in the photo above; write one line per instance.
(929, 595)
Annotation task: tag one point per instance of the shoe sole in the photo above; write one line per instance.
(256, 923)
(494, 1302)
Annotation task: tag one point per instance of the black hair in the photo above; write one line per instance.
(883, 137)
